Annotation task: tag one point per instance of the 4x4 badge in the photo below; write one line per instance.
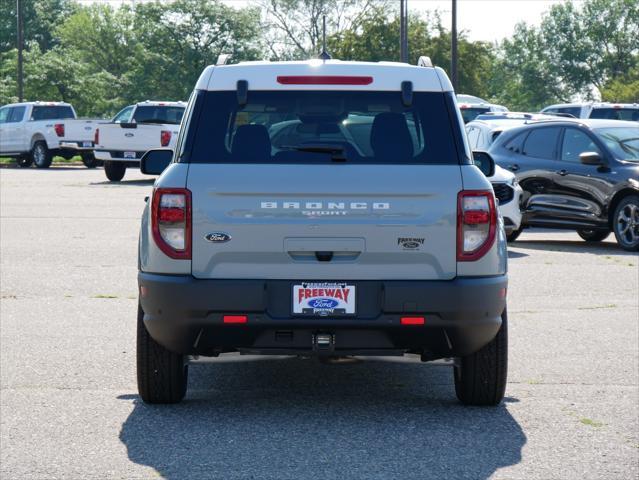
(217, 237)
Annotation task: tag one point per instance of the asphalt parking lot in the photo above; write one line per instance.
(69, 406)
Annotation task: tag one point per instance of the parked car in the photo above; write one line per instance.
(579, 175)
(134, 130)
(318, 245)
(470, 111)
(609, 111)
(35, 132)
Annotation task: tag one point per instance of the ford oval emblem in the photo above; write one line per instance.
(128, 134)
(87, 128)
(217, 237)
(323, 303)
(410, 245)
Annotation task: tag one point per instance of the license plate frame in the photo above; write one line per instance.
(324, 299)
(87, 144)
(129, 155)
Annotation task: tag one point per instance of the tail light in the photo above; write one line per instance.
(171, 221)
(476, 224)
(59, 129)
(96, 136)
(165, 138)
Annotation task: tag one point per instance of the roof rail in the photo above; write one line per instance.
(424, 61)
(222, 58)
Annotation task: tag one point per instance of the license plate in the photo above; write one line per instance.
(87, 144)
(129, 154)
(323, 299)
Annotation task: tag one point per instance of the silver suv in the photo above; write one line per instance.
(322, 208)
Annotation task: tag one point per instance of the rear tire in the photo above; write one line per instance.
(593, 235)
(626, 223)
(480, 378)
(24, 162)
(89, 160)
(512, 236)
(162, 374)
(40, 155)
(114, 170)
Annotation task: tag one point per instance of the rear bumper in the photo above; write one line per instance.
(185, 315)
(118, 156)
(80, 146)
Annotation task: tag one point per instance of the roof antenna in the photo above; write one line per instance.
(324, 55)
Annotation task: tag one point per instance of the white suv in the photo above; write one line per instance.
(608, 111)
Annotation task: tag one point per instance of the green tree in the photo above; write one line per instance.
(180, 38)
(623, 89)
(293, 29)
(41, 18)
(377, 39)
(578, 50)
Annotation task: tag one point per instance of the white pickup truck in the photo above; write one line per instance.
(35, 132)
(134, 130)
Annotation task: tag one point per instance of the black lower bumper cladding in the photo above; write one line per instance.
(186, 315)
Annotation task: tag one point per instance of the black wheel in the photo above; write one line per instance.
(512, 236)
(89, 160)
(40, 155)
(114, 170)
(24, 162)
(480, 378)
(162, 374)
(593, 235)
(625, 223)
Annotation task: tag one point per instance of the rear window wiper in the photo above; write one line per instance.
(336, 152)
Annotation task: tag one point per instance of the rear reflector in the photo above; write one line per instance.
(235, 319)
(412, 320)
(323, 80)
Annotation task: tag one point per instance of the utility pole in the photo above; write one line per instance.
(20, 48)
(403, 31)
(453, 47)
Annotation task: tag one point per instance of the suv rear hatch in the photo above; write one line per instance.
(323, 185)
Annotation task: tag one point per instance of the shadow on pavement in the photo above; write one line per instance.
(125, 183)
(512, 254)
(294, 418)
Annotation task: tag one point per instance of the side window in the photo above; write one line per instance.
(16, 115)
(4, 114)
(574, 143)
(516, 143)
(123, 115)
(541, 143)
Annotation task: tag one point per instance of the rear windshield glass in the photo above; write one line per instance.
(469, 114)
(616, 113)
(574, 111)
(322, 126)
(623, 142)
(158, 114)
(52, 112)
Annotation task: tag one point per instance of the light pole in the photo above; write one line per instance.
(403, 31)
(20, 47)
(453, 47)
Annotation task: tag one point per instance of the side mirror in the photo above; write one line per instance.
(153, 162)
(484, 162)
(590, 158)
